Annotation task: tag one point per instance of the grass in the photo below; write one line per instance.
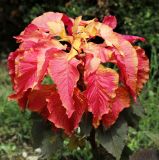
(14, 125)
(148, 131)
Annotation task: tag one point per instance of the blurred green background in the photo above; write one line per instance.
(134, 17)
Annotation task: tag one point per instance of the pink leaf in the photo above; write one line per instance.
(133, 39)
(111, 21)
(120, 102)
(42, 21)
(95, 54)
(125, 56)
(101, 86)
(143, 68)
(11, 64)
(127, 61)
(65, 75)
(31, 33)
(30, 66)
(25, 69)
(58, 113)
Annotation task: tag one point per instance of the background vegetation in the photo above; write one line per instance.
(134, 17)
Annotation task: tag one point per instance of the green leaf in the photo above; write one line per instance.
(133, 114)
(113, 139)
(86, 125)
(51, 144)
(38, 126)
(75, 142)
(138, 109)
(154, 137)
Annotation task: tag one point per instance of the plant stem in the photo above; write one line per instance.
(94, 147)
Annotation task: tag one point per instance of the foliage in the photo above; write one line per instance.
(141, 24)
(77, 56)
(15, 14)
(139, 138)
(14, 125)
(114, 139)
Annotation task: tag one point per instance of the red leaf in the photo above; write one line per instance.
(11, 64)
(111, 21)
(31, 33)
(25, 69)
(68, 22)
(80, 107)
(143, 68)
(23, 101)
(58, 113)
(133, 39)
(120, 102)
(125, 57)
(101, 86)
(127, 63)
(30, 66)
(37, 98)
(65, 75)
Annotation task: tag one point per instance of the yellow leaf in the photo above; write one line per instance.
(90, 28)
(76, 24)
(75, 48)
(57, 28)
(72, 54)
(76, 43)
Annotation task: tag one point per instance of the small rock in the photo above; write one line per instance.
(32, 158)
(24, 154)
(38, 150)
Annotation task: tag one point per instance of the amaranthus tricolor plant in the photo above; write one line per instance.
(93, 70)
